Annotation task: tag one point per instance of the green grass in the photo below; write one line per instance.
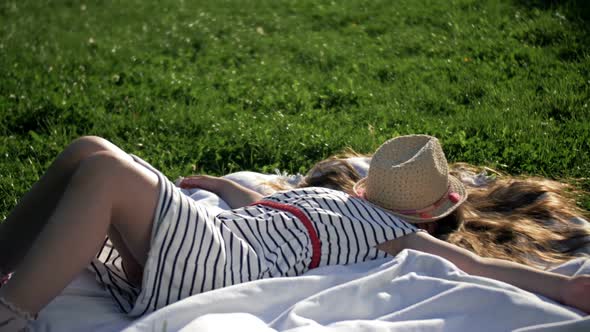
(221, 86)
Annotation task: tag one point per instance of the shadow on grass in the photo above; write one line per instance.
(577, 10)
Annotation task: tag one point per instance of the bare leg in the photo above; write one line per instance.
(29, 216)
(133, 270)
(106, 190)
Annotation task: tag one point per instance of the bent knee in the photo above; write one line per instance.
(83, 147)
(104, 166)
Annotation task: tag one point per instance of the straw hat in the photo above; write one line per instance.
(409, 177)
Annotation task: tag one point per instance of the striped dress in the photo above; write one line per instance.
(284, 234)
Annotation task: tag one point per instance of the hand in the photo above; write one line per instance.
(576, 293)
(207, 182)
(234, 194)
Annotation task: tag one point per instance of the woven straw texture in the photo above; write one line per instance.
(411, 173)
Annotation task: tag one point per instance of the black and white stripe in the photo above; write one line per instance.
(349, 228)
(193, 251)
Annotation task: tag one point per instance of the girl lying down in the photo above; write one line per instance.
(173, 247)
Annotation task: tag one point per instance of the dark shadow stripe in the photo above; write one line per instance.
(180, 247)
(198, 254)
(158, 265)
(108, 288)
(190, 250)
(331, 205)
(367, 217)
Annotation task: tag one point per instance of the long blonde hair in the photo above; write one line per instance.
(522, 219)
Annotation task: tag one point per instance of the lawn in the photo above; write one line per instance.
(221, 86)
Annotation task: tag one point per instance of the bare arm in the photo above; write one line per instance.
(573, 291)
(234, 194)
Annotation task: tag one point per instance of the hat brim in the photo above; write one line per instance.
(443, 209)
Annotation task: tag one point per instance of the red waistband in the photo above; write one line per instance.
(313, 235)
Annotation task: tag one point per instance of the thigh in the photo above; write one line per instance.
(133, 270)
(135, 194)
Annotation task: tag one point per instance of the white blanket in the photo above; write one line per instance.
(410, 292)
